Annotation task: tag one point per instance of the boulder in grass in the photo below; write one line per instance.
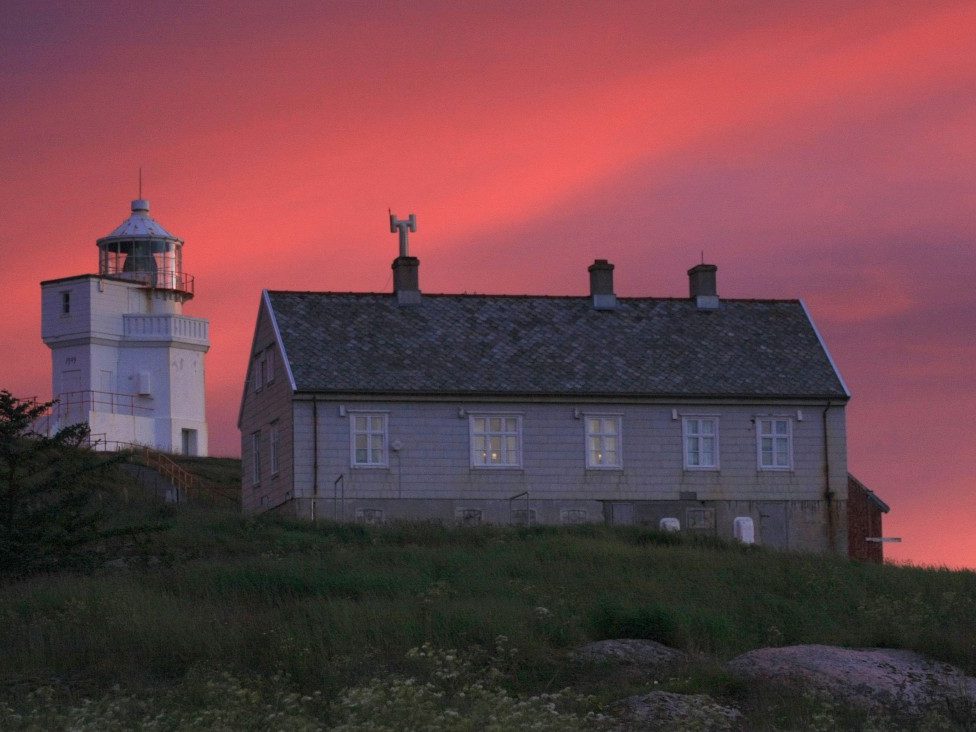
(632, 653)
(876, 679)
(665, 710)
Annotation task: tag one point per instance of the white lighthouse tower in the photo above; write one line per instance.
(124, 358)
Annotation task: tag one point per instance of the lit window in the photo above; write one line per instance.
(775, 443)
(255, 458)
(368, 437)
(602, 442)
(496, 441)
(275, 442)
(701, 443)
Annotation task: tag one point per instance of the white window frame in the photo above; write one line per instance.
(256, 458)
(775, 436)
(275, 443)
(698, 436)
(602, 436)
(477, 461)
(370, 434)
(256, 375)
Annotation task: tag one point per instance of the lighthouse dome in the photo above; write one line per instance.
(141, 250)
(139, 225)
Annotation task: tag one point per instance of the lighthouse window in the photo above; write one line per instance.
(65, 303)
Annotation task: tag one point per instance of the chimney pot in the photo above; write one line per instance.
(601, 285)
(702, 287)
(406, 285)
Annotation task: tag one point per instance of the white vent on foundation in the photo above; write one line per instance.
(744, 530)
(369, 515)
(572, 515)
(669, 524)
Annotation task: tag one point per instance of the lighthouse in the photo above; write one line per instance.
(125, 360)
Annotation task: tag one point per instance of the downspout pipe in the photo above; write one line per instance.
(828, 494)
(315, 454)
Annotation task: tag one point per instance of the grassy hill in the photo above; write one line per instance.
(225, 621)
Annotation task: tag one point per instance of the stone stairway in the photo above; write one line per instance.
(155, 482)
(169, 481)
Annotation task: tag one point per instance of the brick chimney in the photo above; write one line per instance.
(601, 285)
(701, 283)
(406, 284)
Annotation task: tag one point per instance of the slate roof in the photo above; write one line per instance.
(526, 345)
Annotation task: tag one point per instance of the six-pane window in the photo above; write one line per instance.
(255, 458)
(496, 441)
(369, 440)
(701, 442)
(603, 442)
(775, 440)
(275, 441)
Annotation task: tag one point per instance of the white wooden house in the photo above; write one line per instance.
(720, 416)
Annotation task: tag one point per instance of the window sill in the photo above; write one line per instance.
(498, 467)
(356, 466)
(692, 469)
(605, 468)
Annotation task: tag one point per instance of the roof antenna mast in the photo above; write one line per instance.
(402, 226)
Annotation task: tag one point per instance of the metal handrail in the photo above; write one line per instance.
(339, 484)
(182, 479)
(185, 482)
(159, 280)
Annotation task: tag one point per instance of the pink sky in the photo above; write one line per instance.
(819, 150)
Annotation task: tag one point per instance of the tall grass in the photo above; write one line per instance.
(328, 606)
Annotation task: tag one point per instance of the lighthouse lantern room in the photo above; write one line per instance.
(125, 360)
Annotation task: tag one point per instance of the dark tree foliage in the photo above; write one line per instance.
(50, 491)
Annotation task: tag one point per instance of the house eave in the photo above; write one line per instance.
(333, 395)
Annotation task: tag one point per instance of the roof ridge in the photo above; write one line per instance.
(514, 296)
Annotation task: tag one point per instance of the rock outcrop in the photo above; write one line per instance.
(877, 679)
(646, 656)
(667, 710)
